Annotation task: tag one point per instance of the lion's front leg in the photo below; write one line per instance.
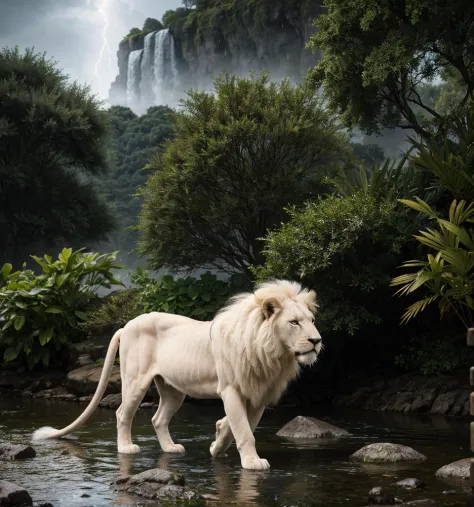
(224, 436)
(236, 411)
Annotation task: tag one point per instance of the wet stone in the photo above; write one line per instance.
(387, 453)
(13, 451)
(410, 483)
(309, 427)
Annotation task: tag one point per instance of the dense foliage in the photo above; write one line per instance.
(346, 249)
(377, 57)
(52, 140)
(197, 298)
(134, 141)
(40, 314)
(238, 157)
(150, 25)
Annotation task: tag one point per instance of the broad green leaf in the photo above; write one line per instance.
(10, 354)
(19, 322)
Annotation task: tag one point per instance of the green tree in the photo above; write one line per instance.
(134, 141)
(376, 57)
(151, 25)
(52, 143)
(239, 156)
(345, 248)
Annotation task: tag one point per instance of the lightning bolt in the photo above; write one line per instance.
(105, 43)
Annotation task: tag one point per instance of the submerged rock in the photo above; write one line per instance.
(12, 495)
(378, 496)
(387, 453)
(13, 451)
(309, 427)
(157, 483)
(456, 470)
(410, 483)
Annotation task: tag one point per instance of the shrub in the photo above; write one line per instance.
(113, 313)
(346, 249)
(447, 273)
(198, 298)
(40, 314)
(430, 354)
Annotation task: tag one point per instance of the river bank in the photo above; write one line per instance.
(446, 395)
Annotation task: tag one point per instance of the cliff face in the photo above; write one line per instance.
(236, 37)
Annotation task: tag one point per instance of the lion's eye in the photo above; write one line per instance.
(294, 323)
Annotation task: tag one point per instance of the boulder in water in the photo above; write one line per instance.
(387, 453)
(309, 427)
(12, 495)
(14, 451)
(410, 483)
(378, 496)
(157, 483)
(456, 470)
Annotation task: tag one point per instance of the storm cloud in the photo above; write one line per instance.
(71, 32)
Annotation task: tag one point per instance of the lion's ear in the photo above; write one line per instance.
(310, 301)
(270, 306)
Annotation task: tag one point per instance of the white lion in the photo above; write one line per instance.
(246, 356)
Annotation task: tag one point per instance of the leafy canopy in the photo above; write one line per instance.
(239, 156)
(40, 314)
(376, 57)
(345, 248)
(52, 142)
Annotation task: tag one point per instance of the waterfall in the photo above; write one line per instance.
(147, 71)
(165, 69)
(133, 79)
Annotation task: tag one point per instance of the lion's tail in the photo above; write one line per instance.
(50, 433)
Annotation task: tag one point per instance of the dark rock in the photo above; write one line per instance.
(88, 351)
(410, 483)
(60, 393)
(172, 492)
(387, 453)
(456, 470)
(43, 505)
(13, 451)
(424, 399)
(309, 427)
(112, 401)
(12, 495)
(423, 503)
(85, 495)
(156, 483)
(149, 404)
(85, 380)
(444, 402)
(378, 496)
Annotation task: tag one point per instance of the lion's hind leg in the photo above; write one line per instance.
(170, 401)
(132, 395)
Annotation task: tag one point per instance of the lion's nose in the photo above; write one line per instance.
(315, 341)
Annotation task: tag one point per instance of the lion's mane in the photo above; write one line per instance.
(247, 354)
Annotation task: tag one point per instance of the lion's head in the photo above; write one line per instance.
(290, 310)
(260, 338)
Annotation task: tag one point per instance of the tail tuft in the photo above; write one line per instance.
(44, 433)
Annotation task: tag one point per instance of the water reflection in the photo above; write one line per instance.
(88, 462)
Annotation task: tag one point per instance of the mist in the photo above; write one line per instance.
(81, 35)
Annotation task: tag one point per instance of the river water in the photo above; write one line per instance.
(77, 472)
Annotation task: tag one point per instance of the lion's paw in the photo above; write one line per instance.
(217, 452)
(174, 448)
(255, 463)
(129, 449)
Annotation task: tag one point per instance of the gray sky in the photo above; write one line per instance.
(71, 31)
